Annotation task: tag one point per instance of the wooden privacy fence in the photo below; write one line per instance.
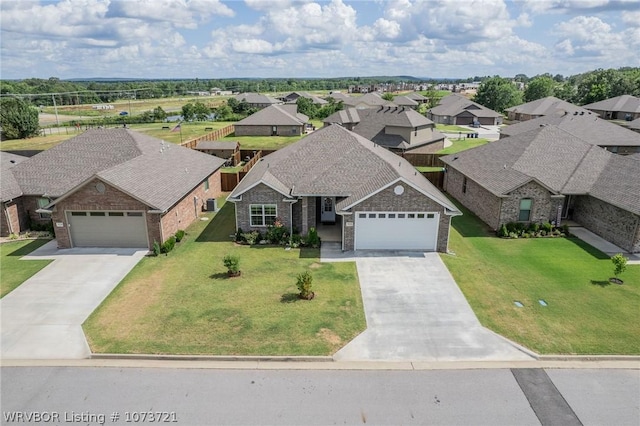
(436, 178)
(423, 160)
(213, 136)
(230, 180)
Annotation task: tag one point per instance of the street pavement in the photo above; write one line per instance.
(108, 395)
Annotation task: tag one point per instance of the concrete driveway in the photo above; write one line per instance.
(415, 311)
(42, 319)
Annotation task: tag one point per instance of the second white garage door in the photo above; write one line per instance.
(396, 230)
(107, 229)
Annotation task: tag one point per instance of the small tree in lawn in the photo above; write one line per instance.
(619, 265)
(232, 263)
(304, 285)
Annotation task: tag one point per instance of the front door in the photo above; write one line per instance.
(566, 206)
(327, 209)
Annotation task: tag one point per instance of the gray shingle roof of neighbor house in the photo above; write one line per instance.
(217, 145)
(9, 187)
(371, 99)
(624, 103)
(635, 124)
(455, 104)
(315, 99)
(371, 123)
(588, 127)
(404, 101)
(546, 106)
(334, 161)
(416, 97)
(559, 160)
(275, 115)
(256, 98)
(155, 172)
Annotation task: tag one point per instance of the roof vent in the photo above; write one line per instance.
(12, 161)
(581, 112)
(575, 112)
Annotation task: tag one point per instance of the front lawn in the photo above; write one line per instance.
(14, 271)
(184, 303)
(585, 314)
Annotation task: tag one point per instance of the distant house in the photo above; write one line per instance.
(625, 107)
(275, 120)
(256, 100)
(635, 125)
(589, 127)
(396, 128)
(417, 97)
(458, 110)
(293, 97)
(340, 97)
(549, 174)
(333, 176)
(112, 188)
(541, 107)
(13, 217)
(405, 101)
(227, 150)
(369, 100)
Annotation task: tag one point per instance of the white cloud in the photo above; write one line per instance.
(569, 6)
(632, 19)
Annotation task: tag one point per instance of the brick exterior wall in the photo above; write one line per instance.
(481, 202)
(29, 206)
(261, 194)
(387, 200)
(618, 226)
(12, 218)
(266, 130)
(183, 213)
(544, 208)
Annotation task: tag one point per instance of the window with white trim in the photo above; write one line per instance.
(263, 214)
(42, 202)
(206, 185)
(524, 214)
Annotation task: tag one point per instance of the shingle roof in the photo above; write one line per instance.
(275, 115)
(404, 101)
(256, 98)
(416, 96)
(334, 161)
(9, 187)
(315, 99)
(546, 106)
(624, 103)
(561, 161)
(371, 99)
(635, 124)
(155, 172)
(217, 145)
(455, 104)
(372, 124)
(588, 127)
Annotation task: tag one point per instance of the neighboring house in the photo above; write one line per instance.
(625, 107)
(340, 97)
(227, 150)
(293, 97)
(369, 100)
(405, 101)
(376, 198)
(457, 110)
(396, 128)
(415, 96)
(589, 127)
(13, 218)
(541, 107)
(116, 188)
(275, 120)
(548, 174)
(635, 125)
(256, 100)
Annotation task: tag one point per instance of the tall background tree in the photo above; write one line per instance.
(18, 118)
(498, 94)
(539, 87)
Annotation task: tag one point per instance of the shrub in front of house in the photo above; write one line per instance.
(514, 230)
(179, 235)
(252, 237)
(277, 233)
(156, 248)
(313, 240)
(168, 245)
(232, 263)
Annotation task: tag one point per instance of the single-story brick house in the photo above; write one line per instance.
(542, 107)
(293, 97)
(275, 120)
(256, 100)
(458, 110)
(550, 174)
(396, 128)
(334, 176)
(625, 107)
(116, 188)
(12, 215)
(587, 126)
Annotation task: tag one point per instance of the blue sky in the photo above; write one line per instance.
(283, 38)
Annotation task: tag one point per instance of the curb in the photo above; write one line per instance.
(225, 358)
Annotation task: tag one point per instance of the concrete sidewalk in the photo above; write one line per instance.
(42, 318)
(603, 245)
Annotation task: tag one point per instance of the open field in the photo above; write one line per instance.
(184, 303)
(585, 314)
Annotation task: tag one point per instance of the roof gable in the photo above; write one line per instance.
(275, 115)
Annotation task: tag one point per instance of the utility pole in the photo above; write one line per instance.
(55, 107)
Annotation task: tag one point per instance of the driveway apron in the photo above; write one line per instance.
(415, 311)
(42, 318)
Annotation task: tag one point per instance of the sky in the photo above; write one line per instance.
(210, 39)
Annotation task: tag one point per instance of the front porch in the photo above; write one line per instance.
(330, 232)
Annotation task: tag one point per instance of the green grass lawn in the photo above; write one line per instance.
(184, 303)
(462, 145)
(263, 142)
(450, 128)
(585, 314)
(14, 271)
(425, 169)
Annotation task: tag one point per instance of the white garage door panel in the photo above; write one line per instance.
(396, 230)
(107, 229)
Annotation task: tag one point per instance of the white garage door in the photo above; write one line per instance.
(107, 229)
(396, 230)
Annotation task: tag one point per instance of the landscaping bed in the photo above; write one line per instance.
(186, 302)
(584, 312)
